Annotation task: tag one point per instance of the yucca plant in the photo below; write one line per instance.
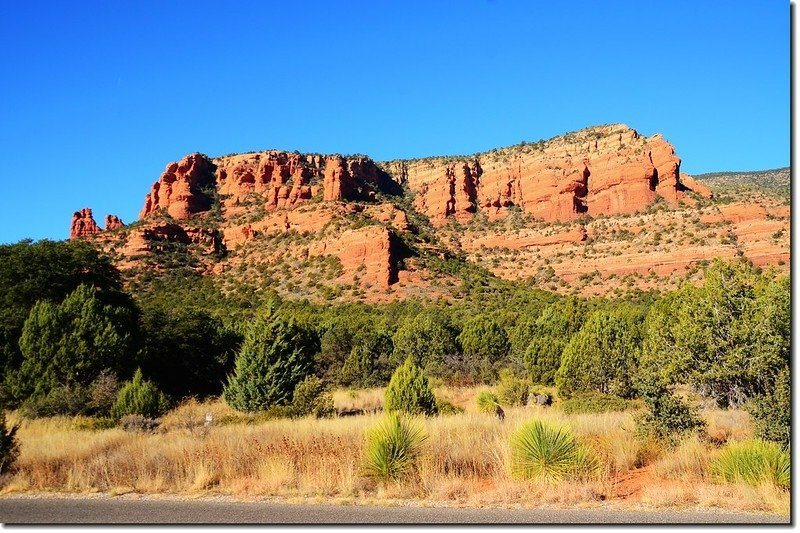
(487, 402)
(753, 462)
(393, 446)
(549, 453)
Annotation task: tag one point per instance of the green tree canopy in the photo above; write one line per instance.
(485, 346)
(71, 342)
(603, 355)
(430, 340)
(47, 270)
(275, 356)
(187, 351)
(549, 336)
(729, 338)
(370, 361)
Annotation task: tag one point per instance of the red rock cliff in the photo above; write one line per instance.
(600, 170)
(179, 190)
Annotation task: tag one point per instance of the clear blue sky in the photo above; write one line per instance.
(97, 97)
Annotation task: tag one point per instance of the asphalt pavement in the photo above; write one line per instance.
(121, 510)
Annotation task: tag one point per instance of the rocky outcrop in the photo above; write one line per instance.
(370, 252)
(183, 189)
(355, 178)
(273, 179)
(83, 224)
(694, 185)
(603, 170)
(276, 179)
(157, 236)
(113, 222)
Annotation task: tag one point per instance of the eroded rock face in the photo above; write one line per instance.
(83, 224)
(181, 189)
(603, 170)
(281, 179)
(113, 222)
(371, 250)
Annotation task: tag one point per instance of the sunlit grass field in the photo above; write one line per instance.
(465, 459)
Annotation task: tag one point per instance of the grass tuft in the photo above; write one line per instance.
(393, 446)
(549, 453)
(753, 462)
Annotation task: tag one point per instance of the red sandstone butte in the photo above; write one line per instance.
(83, 224)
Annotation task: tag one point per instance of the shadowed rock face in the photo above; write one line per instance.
(183, 188)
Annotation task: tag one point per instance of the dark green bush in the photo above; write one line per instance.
(9, 447)
(311, 398)
(275, 356)
(772, 413)
(60, 400)
(409, 391)
(139, 397)
(668, 417)
(511, 390)
(594, 402)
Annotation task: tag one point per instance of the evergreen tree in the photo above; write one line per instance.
(187, 351)
(369, 363)
(139, 397)
(275, 356)
(70, 343)
(485, 346)
(729, 339)
(430, 340)
(409, 391)
(549, 336)
(602, 356)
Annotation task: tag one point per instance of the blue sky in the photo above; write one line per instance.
(97, 97)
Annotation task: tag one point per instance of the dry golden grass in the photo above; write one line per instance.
(465, 459)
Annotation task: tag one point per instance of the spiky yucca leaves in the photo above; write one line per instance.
(487, 402)
(549, 453)
(393, 445)
(753, 462)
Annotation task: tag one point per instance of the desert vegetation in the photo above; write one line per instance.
(507, 395)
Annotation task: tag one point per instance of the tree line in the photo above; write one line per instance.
(72, 338)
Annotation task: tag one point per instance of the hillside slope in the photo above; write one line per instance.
(602, 210)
